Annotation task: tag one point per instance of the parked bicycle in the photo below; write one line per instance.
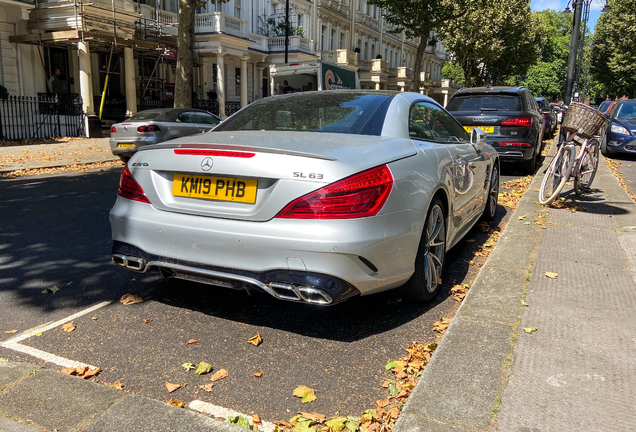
(582, 123)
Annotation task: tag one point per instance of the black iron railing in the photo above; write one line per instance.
(45, 116)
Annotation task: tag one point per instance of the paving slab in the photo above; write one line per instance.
(140, 414)
(54, 400)
(8, 425)
(11, 371)
(461, 383)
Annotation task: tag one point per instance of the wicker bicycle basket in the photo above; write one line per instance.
(583, 120)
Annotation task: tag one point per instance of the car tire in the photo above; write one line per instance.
(429, 263)
(490, 210)
(528, 166)
(124, 159)
(604, 150)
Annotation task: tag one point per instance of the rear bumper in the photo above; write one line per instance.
(138, 142)
(621, 143)
(356, 256)
(513, 152)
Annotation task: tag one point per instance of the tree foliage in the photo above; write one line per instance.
(613, 57)
(495, 41)
(418, 18)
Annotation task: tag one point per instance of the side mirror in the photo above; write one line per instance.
(478, 138)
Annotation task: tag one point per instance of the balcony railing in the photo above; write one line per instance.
(218, 22)
(296, 43)
(451, 84)
(340, 56)
(375, 65)
(401, 72)
(367, 20)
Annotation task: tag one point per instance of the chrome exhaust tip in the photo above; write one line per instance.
(131, 263)
(310, 295)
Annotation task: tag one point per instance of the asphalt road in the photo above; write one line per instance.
(54, 231)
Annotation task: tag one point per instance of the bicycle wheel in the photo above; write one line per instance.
(557, 174)
(587, 168)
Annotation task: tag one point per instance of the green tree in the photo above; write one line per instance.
(495, 42)
(453, 71)
(183, 84)
(418, 18)
(613, 57)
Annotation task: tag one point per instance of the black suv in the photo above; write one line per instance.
(510, 117)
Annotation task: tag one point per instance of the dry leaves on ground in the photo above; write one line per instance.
(203, 368)
(513, 190)
(75, 167)
(460, 291)
(207, 387)
(192, 341)
(613, 166)
(10, 331)
(255, 340)
(68, 327)
(530, 329)
(568, 204)
(172, 387)
(256, 419)
(552, 275)
(258, 374)
(176, 403)
(83, 372)
(219, 375)
(147, 320)
(116, 385)
(128, 299)
(441, 325)
(305, 393)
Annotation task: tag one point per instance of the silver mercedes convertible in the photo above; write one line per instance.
(313, 197)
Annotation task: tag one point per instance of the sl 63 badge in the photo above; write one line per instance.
(309, 175)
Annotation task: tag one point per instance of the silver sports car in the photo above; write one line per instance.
(157, 125)
(313, 197)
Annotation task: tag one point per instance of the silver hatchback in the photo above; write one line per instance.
(157, 125)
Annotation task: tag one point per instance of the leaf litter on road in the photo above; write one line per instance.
(219, 375)
(305, 393)
(176, 403)
(68, 327)
(172, 387)
(203, 368)
(128, 299)
(255, 340)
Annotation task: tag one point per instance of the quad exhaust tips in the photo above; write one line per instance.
(279, 290)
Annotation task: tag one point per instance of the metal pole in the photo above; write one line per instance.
(579, 63)
(574, 38)
(286, 31)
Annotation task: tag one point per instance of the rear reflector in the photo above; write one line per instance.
(149, 128)
(520, 121)
(130, 189)
(361, 195)
(214, 153)
(113, 129)
(515, 144)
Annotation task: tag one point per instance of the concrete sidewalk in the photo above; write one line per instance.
(577, 370)
(35, 156)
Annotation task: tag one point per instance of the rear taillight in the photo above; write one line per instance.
(546, 115)
(520, 121)
(149, 128)
(113, 129)
(361, 195)
(130, 189)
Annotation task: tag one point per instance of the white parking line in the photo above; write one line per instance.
(14, 343)
(218, 411)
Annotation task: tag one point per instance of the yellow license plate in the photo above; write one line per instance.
(125, 146)
(487, 129)
(215, 188)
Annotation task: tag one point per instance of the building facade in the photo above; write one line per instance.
(72, 46)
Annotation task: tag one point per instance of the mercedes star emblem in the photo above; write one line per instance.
(206, 164)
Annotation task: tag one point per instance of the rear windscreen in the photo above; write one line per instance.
(325, 111)
(145, 115)
(485, 102)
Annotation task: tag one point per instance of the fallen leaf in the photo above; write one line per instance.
(68, 371)
(94, 318)
(147, 320)
(258, 374)
(175, 403)
(337, 424)
(441, 325)
(203, 368)
(207, 387)
(552, 275)
(239, 421)
(255, 340)
(11, 331)
(68, 327)
(38, 334)
(522, 217)
(393, 391)
(128, 299)
(390, 365)
(284, 424)
(172, 387)
(219, 375)
(382, 403)
(530, 329)
(89, 373)
(117, 385)
(305, 393)
(314, 416)
(192, 341)
(256, 419)
(188, 366)
(353, 424)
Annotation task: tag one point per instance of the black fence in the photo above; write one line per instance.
(45, 116)
(115, 109)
